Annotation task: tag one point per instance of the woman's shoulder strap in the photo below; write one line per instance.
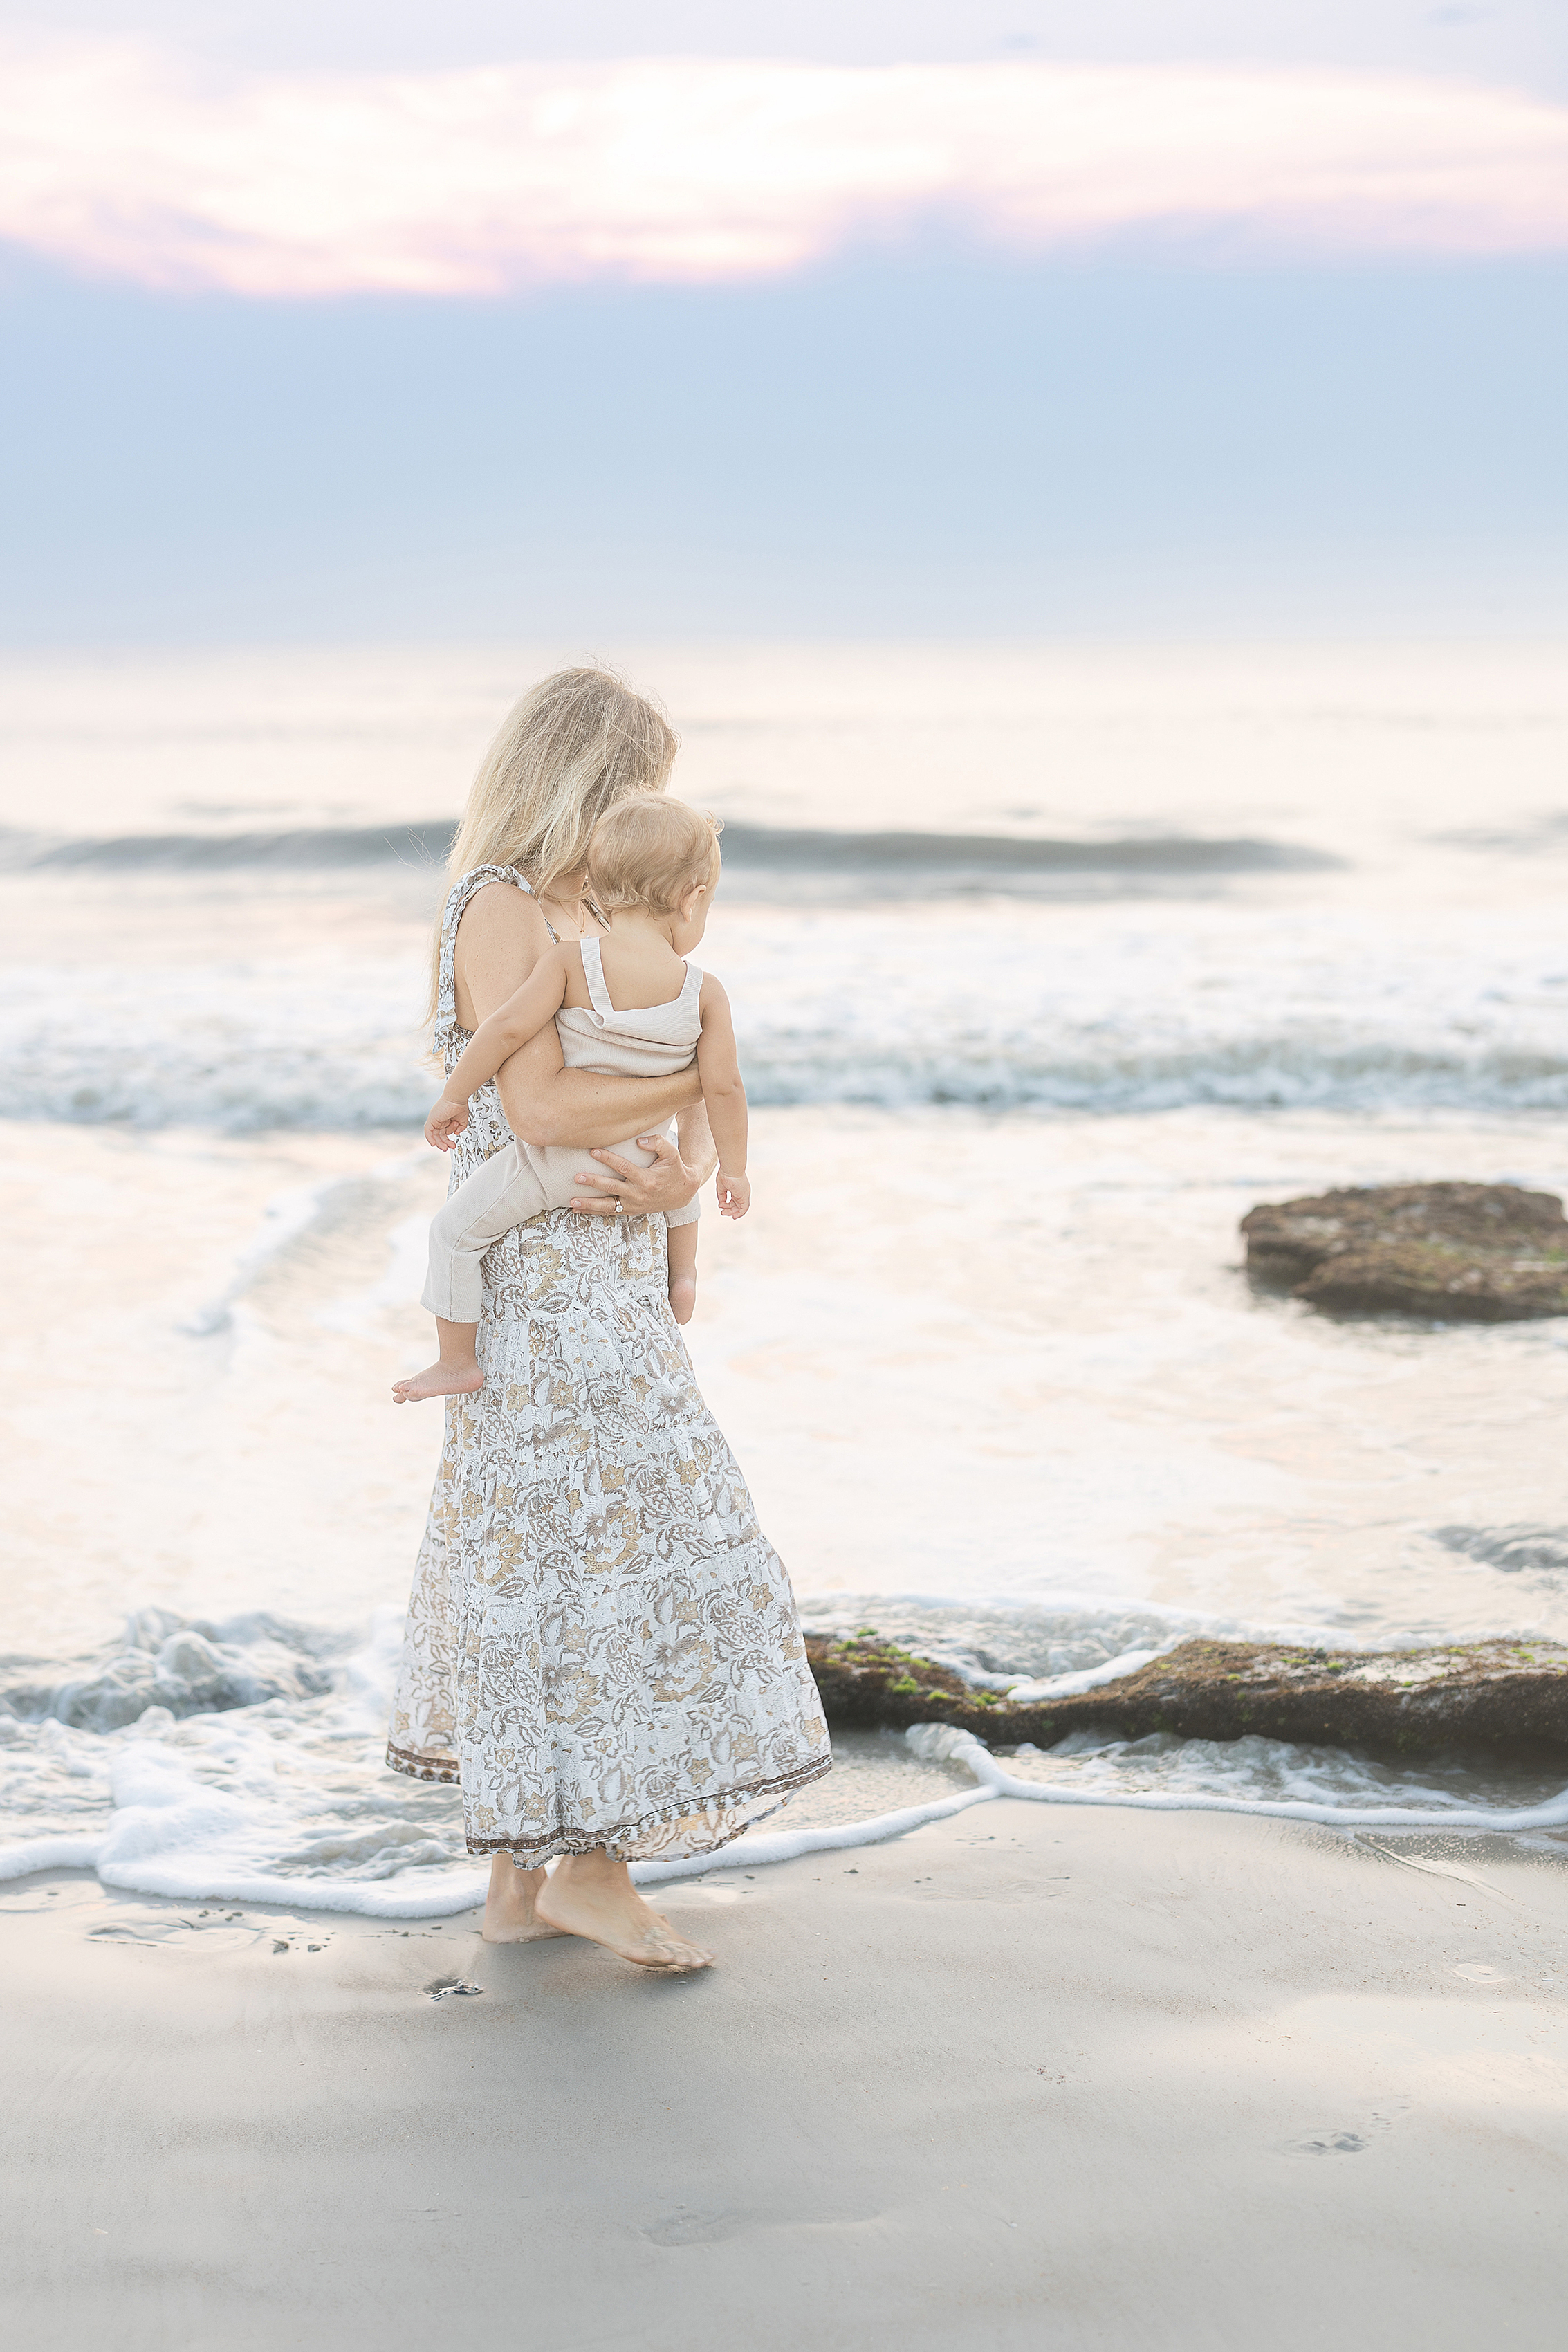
(477, 878)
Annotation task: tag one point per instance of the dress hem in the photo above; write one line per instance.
(553, 1847)
(415, 1767)
(559, 1843)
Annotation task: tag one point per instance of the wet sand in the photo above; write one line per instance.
(1027, 2077)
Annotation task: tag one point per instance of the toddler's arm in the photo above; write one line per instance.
(494, 1041)
(724, 1096)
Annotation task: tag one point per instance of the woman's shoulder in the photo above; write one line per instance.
(492, 897)
(498, 923)
(490, 915)
(497, 883)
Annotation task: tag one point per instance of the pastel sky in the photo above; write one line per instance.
(1146, 315)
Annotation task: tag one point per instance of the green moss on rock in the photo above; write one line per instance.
(1490, 1696)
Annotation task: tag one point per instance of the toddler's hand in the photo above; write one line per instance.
(733, 1195)
(446, 1124)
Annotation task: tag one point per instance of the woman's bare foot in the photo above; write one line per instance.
(591, 1894)
(440, 1379)
(683, 1296)
(511, 1914)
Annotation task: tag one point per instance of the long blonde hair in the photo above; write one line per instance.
(575, 744)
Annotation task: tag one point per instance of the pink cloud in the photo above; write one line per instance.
(119, 161)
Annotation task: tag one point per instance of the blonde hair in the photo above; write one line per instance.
(575, 744)
(649, 853)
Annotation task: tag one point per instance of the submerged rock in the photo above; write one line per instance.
(1500, 1696)
(1492, 1252)
(1518, 1548)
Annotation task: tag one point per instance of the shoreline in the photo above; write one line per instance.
(130, 1857)
(1000, 2081)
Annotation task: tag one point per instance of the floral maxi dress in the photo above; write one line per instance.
(601, 1646)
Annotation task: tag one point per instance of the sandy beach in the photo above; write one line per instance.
(996, 580)
(1025, 2078)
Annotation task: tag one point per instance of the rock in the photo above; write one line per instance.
(1490, 1253)
(1505, 1697)
(1517, 1548)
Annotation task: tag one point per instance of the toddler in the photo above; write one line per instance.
(627, 1003)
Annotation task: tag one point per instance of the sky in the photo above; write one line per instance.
(1145, 317)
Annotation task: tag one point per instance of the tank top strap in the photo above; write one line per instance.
(456, 906)
(593, 973)
(691, 987)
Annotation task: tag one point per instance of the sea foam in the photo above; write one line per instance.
(242, 1761)
(1169, 1005)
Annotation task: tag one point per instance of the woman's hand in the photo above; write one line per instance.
(669, 1183)
(446, 1123)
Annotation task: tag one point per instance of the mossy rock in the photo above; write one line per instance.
(1492, 1697)
(1483, 1253)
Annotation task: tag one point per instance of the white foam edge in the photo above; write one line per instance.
(441, 1894)
(408, 1259)
(456, 1891)
(787, 1845)
(1087, 1678)
(1000, 1783)
(49, 1854)
(284, 1218)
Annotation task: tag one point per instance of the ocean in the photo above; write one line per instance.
(1048, 962)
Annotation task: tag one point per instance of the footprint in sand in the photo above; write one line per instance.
(1341, 2142)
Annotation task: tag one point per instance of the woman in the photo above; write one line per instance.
(601, 1646)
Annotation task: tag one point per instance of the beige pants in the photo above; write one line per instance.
(514, 1184)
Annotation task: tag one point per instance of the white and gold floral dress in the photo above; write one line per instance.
(602, 1646)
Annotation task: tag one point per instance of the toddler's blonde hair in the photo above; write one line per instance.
(649, 852)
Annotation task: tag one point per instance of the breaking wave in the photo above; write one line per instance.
(227, 1067)
(892, 864)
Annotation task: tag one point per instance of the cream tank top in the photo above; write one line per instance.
(647, 1041)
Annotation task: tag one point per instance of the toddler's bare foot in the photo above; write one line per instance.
(591, 1896)
(683, 1296)
(510, 1906)
(439, 1378)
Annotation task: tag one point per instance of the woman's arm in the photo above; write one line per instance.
(546, 1103)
